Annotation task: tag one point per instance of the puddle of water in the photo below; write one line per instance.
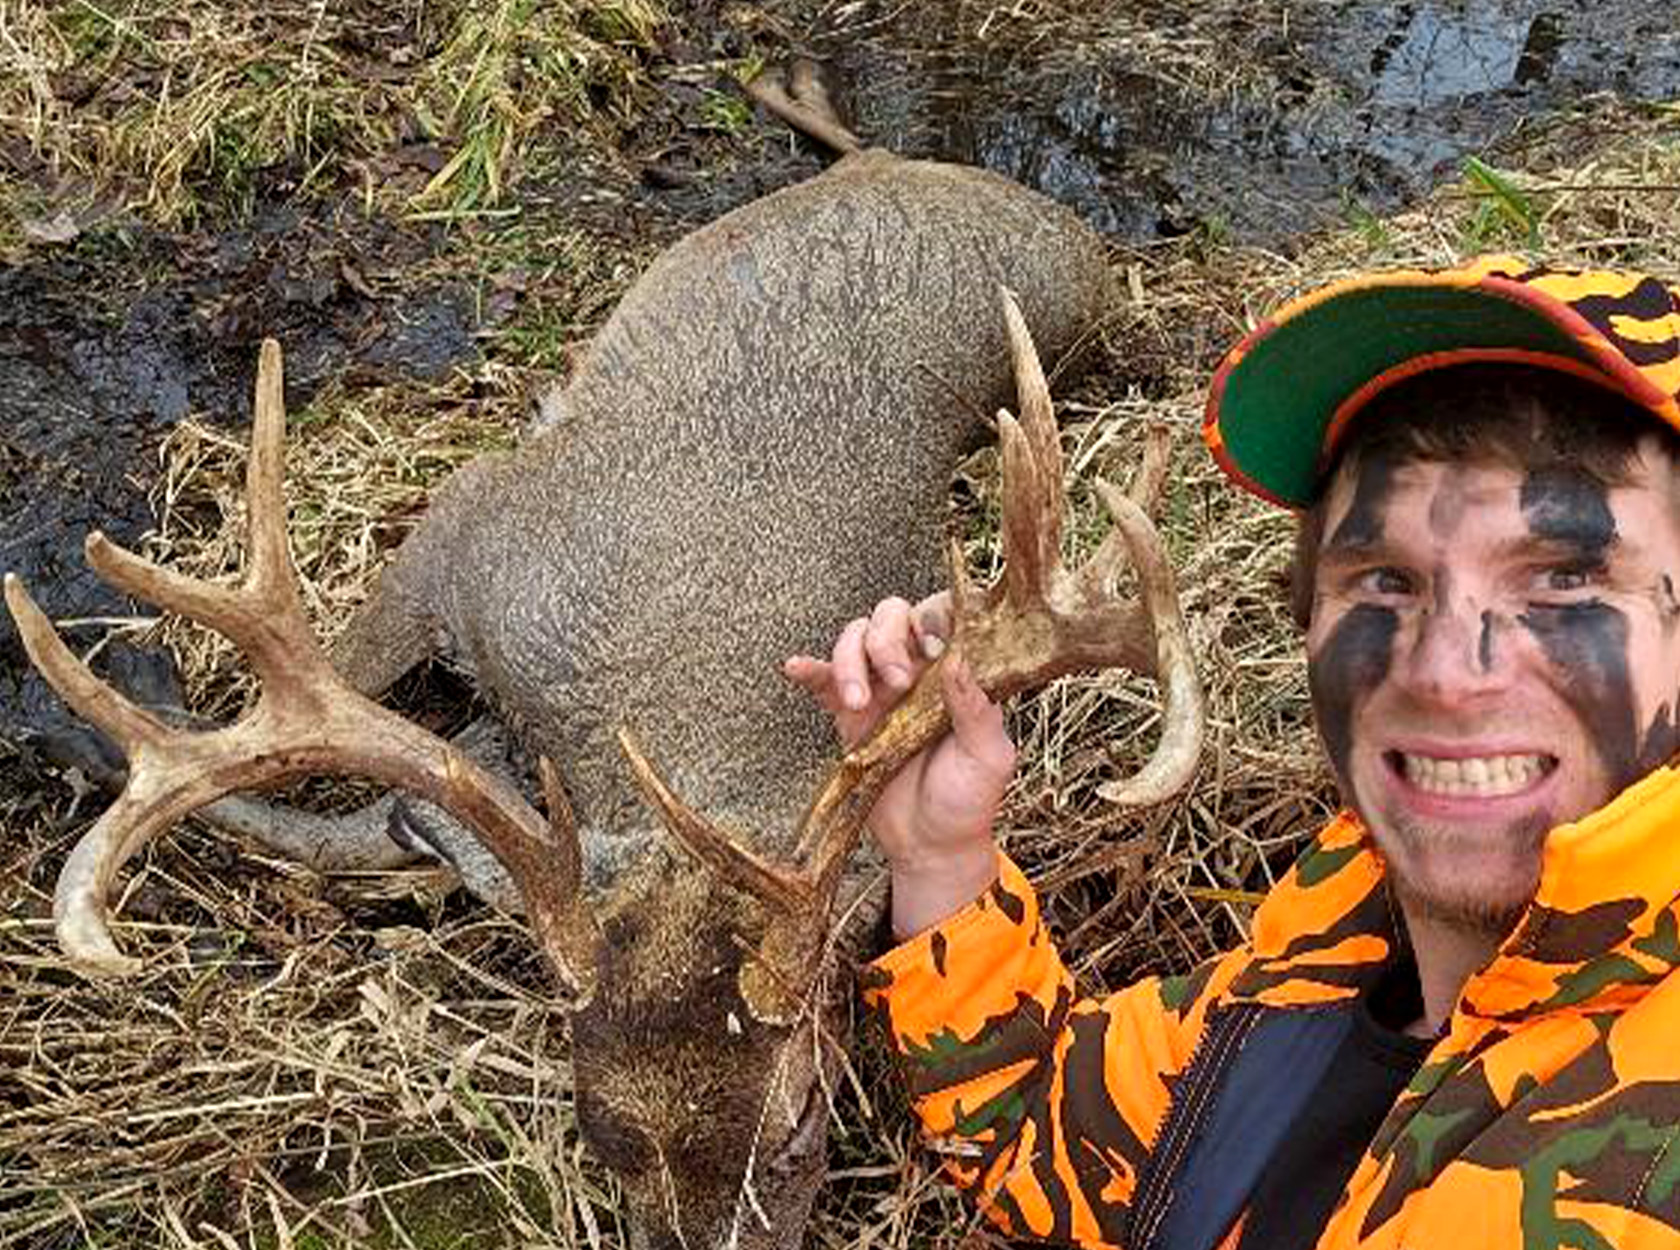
(1433, 55)
(1153, 119)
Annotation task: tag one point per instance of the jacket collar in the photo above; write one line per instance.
(1603, 927)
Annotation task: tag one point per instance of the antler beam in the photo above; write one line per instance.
(307, 721)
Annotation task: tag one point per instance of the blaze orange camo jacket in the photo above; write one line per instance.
(1545, 1117)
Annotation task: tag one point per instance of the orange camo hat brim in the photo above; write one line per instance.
(1282, 398)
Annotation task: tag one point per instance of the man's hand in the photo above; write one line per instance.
(934, 820)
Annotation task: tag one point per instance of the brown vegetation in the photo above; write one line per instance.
(371, 1060)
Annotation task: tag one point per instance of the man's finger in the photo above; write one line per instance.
(976, 722)
(851, 666)
(814, 675)
(930, 623)
(888, 643)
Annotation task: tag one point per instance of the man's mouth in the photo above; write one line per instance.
(1475, 776)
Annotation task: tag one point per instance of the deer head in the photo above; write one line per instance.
(705, 1044)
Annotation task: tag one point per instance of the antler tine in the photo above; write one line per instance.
(786, 893)
(306, 721)
(1184, 714)
(1151, 477)
(264, 615)
(270, 574)
(88, 697)
(1031, 455)
(567, 867)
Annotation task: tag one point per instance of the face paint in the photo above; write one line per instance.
(1567, 506)
(1446, 509)
(1587, 644)
(1668, 607)
(1484, 645)
(1363, 523)
(1352, 662)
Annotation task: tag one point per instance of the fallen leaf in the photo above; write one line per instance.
(60, 228)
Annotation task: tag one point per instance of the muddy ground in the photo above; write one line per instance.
(1243, 124)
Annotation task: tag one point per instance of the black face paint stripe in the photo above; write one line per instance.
(1365, 517)
(1484, 646)
(1565, 505)
(1353, 662)
(1587, 644)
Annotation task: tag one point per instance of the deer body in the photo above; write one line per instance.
(757, 444)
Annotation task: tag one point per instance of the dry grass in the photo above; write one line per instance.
(358, 469)
(172, 107)
(313, 1062)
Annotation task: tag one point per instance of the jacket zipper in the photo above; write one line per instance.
(1226, 1033)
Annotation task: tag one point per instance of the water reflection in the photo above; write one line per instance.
(1157, 118)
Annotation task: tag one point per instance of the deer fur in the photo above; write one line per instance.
(756, 446)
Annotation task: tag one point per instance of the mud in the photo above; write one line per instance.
(102, 351)
(1251, 122)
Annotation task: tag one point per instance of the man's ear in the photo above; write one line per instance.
(1303, 565)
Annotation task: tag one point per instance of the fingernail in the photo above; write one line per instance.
(896, 675)
(933, 646)
(853, 695)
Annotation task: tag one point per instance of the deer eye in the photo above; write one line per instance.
(616, 1142)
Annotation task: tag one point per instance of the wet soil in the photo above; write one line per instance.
(1255, 121)
(105, 348)
(1248, 122)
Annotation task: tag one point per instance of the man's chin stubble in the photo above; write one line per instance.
(1472, 914)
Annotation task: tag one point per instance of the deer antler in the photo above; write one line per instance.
(308, 720)
(1037, 623)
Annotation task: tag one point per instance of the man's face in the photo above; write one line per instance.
(1493, 651)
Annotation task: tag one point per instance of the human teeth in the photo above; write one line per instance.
(1485, 776)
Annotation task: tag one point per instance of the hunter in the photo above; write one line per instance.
(1456, 1021)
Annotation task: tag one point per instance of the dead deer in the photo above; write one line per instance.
(756, 446)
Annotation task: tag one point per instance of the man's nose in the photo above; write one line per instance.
(1456, 655)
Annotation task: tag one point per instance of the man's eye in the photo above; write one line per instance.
(1565, 578)
(1385, 581)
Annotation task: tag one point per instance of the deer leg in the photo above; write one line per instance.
(404, 619)
(801, 99)
(391, 633)
(390, 832)
(423, 828)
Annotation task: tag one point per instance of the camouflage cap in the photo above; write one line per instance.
(1284, 396)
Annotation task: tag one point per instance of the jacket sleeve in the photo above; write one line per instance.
(1043, 1105)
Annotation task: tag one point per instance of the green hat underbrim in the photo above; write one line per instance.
(1273, 402)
